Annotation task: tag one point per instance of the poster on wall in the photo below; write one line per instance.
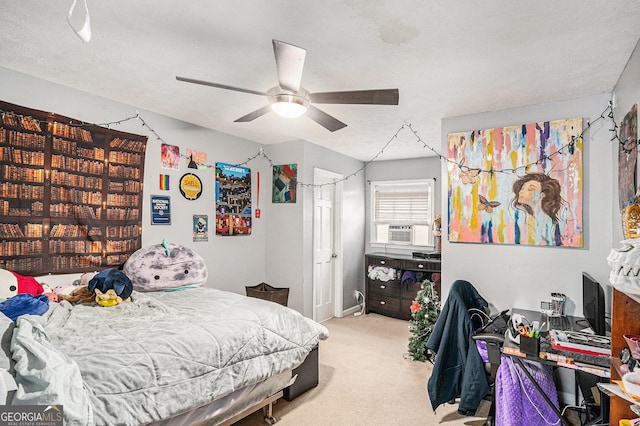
(285, 179)
(197, 159)
(164, 182)
(160, 210)
(627, 158)
(200, 227)
(190, 186)
(233, 200)
(170, 156)
(517, 185)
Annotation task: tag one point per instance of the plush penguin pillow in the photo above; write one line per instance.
(165, 266)
(12, 284)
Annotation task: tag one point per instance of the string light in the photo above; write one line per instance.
(607, 114)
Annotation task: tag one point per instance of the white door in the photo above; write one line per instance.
(327, 277)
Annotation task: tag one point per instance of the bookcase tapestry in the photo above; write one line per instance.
(70, 195)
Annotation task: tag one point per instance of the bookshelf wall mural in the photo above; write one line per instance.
(70, 195)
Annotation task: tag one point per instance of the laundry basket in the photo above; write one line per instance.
(267, 292)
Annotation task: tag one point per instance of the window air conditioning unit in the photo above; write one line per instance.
(400, 234)
(417, 235)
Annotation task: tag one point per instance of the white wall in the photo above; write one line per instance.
(625, 95)
(522, 276)
(233, 262)
(352, 250)
(279, 250)
(289, 235)
(285, 239)
(415, 168)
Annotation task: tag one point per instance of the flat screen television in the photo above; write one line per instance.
(593, 307)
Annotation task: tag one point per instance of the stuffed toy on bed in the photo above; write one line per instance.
(12, 284)
(24, 304)
(166, 266)
(111, 287)
(81, 295)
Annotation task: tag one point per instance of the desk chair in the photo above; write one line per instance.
(494, 344)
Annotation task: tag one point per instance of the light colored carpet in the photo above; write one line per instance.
(365, 379)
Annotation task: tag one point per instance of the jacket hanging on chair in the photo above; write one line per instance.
(458, 371)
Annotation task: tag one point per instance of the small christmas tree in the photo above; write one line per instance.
(424, 313)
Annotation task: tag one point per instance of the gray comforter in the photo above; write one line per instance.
(160, 355)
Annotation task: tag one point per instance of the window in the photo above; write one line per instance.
(402, 212)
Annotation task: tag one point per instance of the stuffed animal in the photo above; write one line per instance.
(8, 284)
(64, 289)
(86, 277)
(48, 291)
(81, 294)
(12, 284)
(23, 304)
(111, 287)
(165, 266)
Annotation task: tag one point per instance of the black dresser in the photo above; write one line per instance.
(391, 297)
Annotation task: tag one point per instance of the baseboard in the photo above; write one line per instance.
(351, 311)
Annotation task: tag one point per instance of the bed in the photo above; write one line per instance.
(198, 355)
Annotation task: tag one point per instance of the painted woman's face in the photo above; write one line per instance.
(530, 193)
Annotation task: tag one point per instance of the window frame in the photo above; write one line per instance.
(398, 184)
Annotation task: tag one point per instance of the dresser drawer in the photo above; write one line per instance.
(382, 261)
(385, 288)
(405, 308)
(384, 305)
(420, 265)
(410, 291)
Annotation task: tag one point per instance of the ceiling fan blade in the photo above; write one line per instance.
(371, 97)
(322, 118)
(289, 62)
(221, 86)
(253, 115)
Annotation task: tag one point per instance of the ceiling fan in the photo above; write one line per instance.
(289, 99)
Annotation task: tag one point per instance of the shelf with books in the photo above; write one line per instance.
(67, 183)
(20, 230)
(130, 231)
(76, 149)
(24, 157)
(16, 208)
(65, 179)
(68, 131)
(23, 122)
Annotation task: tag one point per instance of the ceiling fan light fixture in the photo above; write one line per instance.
(289, 106)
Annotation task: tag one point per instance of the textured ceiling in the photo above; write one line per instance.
(447, 58)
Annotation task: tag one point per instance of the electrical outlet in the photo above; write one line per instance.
(355, 294)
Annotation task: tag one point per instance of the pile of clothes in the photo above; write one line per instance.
(382, 273)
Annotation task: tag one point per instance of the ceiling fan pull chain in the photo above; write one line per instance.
(85, 32)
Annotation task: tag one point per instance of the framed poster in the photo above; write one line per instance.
(517, 185)
(200, 227)
(160, 210)
(285, 179)
(233, 200)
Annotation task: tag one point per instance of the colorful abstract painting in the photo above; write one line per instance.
(517, 185)
(627, 158)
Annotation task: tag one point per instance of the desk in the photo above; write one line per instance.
(569, 323)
